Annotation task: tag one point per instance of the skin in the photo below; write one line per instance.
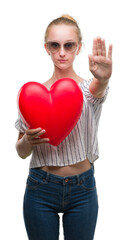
(100, 64)
(62, 33)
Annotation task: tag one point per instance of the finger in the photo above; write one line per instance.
(39, 141)
(110, 51)
(35, 136)
(101, 60)
(99, 46)
(33, 131)
(94, 47)
(103, 48)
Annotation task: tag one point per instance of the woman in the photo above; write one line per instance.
(61, 178)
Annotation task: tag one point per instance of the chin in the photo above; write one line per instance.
(63, 66)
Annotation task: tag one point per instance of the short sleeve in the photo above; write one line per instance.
(20, 125)
(89, 96)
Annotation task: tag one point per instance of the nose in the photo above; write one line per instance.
(62, 51)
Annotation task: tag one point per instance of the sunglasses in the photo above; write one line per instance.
(54, 47)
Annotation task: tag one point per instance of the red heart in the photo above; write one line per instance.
(56, 110)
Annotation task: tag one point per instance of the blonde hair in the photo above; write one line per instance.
(64, 19)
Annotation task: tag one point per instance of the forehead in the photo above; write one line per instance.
(62, 33)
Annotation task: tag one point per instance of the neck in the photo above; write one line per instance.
(66, 73)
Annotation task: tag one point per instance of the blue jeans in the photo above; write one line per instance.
(48, 194)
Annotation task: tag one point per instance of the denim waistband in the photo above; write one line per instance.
(41, 174)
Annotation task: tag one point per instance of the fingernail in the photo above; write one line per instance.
(44, 131)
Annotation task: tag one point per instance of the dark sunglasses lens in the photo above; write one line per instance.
(70, 46)
(53, 46)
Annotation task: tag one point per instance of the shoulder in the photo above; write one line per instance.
(79, 80)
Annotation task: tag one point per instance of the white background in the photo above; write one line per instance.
(23, 59)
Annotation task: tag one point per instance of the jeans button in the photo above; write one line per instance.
(66, 180)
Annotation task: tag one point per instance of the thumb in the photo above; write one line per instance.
(90, 57)
(91, 61)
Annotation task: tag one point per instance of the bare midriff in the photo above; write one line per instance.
(69, 170)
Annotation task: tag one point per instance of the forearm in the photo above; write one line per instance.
(97, 87)
(23, 147)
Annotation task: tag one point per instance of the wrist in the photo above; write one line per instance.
(97, 88)
(101, 82)
(23, 146)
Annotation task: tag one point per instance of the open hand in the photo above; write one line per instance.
(100, 63)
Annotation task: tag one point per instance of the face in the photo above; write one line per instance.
(62, 45)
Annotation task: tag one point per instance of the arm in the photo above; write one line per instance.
(101, 67)
(27, 141)
(98, 89)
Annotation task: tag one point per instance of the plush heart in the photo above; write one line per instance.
(56, 110)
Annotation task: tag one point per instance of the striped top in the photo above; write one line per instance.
(82, 141)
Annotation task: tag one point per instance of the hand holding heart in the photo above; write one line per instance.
(56, 110)
(32, 136)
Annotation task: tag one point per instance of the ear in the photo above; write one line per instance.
(46, 49)
(79, 48)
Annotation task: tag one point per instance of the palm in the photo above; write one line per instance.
(100, 65)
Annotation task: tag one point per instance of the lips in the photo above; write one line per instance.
(62, 60)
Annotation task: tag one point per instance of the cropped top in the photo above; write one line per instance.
(82, 141)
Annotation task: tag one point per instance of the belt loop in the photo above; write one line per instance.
(92, 167)
(77, 179)
(63, 182)
(47, 176)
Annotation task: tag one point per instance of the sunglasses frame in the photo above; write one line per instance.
(59, 46)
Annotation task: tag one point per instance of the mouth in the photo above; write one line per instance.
(62, 60)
